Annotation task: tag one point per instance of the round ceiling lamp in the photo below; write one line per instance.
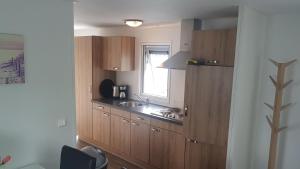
(133, 22)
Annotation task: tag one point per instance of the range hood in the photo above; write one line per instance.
(179, 60)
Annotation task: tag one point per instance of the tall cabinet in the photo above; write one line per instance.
(88, 75)
(208, 99)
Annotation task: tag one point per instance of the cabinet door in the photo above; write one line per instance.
(83, 84)
(140, 138)
(207, 100)
(176, 151)
(204, 156)
(215, 45)
(128, 54)
(118, 53)
(166, 149)
(112, 51)
(159, 148)
(101, 128)
(120, 135)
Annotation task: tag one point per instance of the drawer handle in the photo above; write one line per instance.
(100, 107)
(106, 114)
(140, 118)
(125, 121)
(193, 141)
(155, 130)
(212, 62)
(115, 68)
(135, 124)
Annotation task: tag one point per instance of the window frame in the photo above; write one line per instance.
(152, 98)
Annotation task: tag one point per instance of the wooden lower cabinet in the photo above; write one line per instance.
(101, 128)
(205, 156)
(140, 141)
(166, 149)
(120, 135)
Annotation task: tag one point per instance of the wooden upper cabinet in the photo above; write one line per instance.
(120, 135)
(215, 45)
(118, 53)
(207, 99)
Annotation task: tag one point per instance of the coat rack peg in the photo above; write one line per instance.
(268, 105)
(287, 83)
(285, 107)
(270, 122)
(281, 129)
(273, 81)
(274, 62)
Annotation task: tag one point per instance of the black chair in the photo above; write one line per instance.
(72, 158)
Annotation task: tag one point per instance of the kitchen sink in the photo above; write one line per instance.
(131, 104)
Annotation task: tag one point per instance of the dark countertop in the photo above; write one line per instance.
(151, 110)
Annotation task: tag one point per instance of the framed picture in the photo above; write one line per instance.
(12, 68)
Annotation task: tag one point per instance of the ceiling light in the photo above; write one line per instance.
(133, 22)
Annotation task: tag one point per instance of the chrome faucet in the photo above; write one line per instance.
(145, 100)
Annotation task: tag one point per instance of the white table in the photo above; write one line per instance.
(33, 166)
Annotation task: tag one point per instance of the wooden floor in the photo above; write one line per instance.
(113, 161)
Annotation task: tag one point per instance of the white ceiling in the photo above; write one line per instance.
(114, 12)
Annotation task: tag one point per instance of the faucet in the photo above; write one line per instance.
(146, 100)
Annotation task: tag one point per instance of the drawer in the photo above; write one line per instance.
(102, 107)
(140, 118)
(167, 125)
(121, 113)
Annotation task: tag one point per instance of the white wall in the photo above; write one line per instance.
(250, 45)
(283, 39)
(168, 33)
(29, 112)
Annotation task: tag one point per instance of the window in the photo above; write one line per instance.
(155, 81)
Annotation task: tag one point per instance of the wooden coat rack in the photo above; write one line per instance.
(279, 84)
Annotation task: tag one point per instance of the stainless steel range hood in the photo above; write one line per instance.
(179, 59)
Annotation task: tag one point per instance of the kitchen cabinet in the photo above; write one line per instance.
(83, 83)
(120, 135)
(207, 100)
(207, 113)
(215, 46)
(166, 149)
(140, 141)
(88, 76)
(101, 127)
(204, 156)
(118, 53)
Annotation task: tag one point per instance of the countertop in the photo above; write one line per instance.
(150, 110)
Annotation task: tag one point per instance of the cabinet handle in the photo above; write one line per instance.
(186, 110)
(106, 114)
(125, 121)
(212, 62)
(155, 130)
(135, 124)
(140, 118)
(193, 141)
(100, 107)
(115, 68)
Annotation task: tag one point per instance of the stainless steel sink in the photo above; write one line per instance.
(131, 104)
